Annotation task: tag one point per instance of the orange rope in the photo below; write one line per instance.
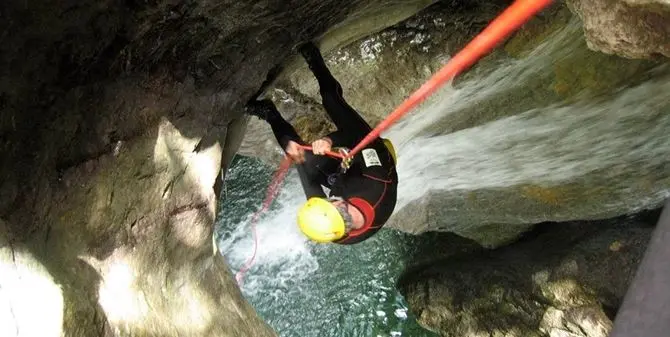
(511, 19)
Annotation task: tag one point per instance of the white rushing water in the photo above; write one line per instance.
(505, 77)
(280, 247)
(549, 144)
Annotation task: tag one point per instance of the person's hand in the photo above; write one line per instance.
(295, 152)
(321, 146)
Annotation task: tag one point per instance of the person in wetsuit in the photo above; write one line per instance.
(362, 198)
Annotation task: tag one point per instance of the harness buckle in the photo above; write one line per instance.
(346, 162)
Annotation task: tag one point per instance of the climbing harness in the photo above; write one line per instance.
(500, 28)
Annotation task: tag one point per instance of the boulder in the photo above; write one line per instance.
(629, 28)
(562, 279)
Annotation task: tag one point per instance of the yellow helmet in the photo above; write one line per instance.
(391, 149)
(320, 221)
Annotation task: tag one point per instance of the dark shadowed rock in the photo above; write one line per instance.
(567, 279)
(115, 121)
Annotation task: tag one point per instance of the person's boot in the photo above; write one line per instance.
(312, 55)
(264, 109)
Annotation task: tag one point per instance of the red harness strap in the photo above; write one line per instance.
(368, 214)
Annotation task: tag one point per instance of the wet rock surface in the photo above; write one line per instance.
(115, 121)
(562, 279)
(630, 28)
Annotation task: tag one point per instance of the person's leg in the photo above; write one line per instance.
(343, 115)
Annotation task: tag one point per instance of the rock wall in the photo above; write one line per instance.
(116, 119)
(122, 245)
(564, 279)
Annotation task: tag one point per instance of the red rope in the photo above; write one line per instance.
(511, 19)
(271, 194)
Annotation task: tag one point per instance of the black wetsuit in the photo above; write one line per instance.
(370, 183)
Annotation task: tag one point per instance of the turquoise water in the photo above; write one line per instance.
(306, 289)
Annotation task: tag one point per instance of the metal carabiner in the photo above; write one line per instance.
(346, 162)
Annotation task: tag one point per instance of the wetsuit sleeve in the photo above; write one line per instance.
(283, 140)
(283, 130)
